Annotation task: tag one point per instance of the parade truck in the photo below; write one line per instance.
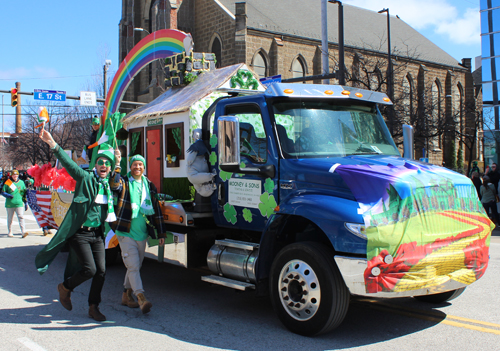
(306, 198)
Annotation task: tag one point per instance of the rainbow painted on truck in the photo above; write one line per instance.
(424, 224)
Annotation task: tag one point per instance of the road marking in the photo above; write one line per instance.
(30, 344)
(433, 316)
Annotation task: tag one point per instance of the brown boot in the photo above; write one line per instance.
(144, 303)
(96, 314)
(128, 299)
(65, 297)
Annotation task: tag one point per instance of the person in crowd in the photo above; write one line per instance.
(474, 168)
(477, 183)
(494, 175)
(14, 191)
(488, 198)
(82, 227)
(96, 123)
(138, 215)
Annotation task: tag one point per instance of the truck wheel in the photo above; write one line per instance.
(441, 297)
(307, 290)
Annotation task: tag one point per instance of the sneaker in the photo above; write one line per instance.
(10, 235)
(45, 232)
(25, 235)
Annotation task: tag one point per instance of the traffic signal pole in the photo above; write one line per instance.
(19, 126)
(76, 98)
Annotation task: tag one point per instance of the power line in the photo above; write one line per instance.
(88, 75)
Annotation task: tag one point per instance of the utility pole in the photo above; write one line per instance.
(105, 68)
(324, 41)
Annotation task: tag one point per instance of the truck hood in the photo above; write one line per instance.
(308, 173)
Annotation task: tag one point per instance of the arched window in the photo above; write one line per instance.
(298, 68)
(216, 49)
(458, 106)
(407, 97)
(259, 65)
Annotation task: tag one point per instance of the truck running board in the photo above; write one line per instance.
(230, 283)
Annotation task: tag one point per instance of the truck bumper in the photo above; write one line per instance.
(352, 270)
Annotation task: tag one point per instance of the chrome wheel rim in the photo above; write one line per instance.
(299, 290)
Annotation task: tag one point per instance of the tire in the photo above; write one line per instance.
(308, 293)
(441, 297)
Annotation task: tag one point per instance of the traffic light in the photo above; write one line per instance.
(13, 97)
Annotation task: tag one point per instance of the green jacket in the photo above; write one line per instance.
(86, 190)
(18, 195)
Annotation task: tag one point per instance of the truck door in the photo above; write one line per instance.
(246, 201)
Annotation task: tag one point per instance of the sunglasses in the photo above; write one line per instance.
(104, 163)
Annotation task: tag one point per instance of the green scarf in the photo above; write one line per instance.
(144, 199)
(105, 190)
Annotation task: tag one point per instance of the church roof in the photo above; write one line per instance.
(363, 29)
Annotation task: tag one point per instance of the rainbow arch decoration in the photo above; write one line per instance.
(157, 45)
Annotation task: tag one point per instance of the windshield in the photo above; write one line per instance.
(325, 129)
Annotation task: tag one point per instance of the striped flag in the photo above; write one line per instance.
(11, 185)
(39, 202)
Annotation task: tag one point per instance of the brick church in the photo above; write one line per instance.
(432, 91)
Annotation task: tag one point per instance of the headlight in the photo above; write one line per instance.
(357, 229)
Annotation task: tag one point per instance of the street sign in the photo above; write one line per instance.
(51, 95)
(88, 98)
(267, 81)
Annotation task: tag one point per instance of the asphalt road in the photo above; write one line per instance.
(189, 314)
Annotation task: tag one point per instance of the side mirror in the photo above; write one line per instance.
(228, 135)
(229, 141)
(408, 141)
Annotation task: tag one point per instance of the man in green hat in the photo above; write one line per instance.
(83, 226)
(138, 215)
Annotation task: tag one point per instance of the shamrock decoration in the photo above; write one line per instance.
(213, 140)
(269, 185)
(245, 80)
(230, 213)
(224, 175)
(213, 158)
(247, 215)
(267, 204)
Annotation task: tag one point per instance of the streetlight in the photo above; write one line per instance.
(141, 30)
(341, 76)
(390, 89)
(107, 63)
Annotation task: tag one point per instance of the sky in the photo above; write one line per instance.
(62, 45)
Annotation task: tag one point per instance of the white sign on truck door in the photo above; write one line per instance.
(245, 192)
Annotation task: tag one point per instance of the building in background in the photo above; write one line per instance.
(490, 66)
(432, 91)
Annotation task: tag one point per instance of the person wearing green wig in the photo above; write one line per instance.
(138, 214)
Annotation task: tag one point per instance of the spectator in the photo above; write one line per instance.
(93, 138)
(477, 183)
(138, 215)
(494, 176)
(488, 198)
(82, 227)
(14, 191)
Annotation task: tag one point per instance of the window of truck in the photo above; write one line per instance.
(253, 141)
(330, 129)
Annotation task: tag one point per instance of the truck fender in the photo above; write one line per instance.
(309, 217)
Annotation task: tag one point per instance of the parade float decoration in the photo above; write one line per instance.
(416, 215)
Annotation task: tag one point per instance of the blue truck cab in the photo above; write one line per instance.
(309, 185)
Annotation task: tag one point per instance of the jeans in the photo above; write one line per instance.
(132, 255)
(494, 212)
(19, 211)
(89, 249)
